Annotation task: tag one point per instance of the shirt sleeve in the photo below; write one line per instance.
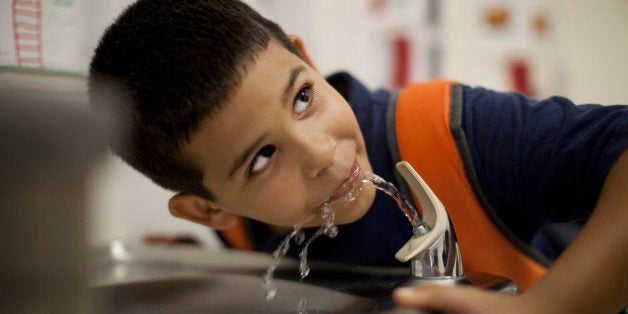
(540, 161)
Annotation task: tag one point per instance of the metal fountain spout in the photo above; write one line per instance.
(433, 250)
(434, 253)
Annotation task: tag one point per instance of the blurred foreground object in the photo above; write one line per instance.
(48, 146)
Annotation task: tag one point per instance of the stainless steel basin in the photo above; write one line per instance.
(162, 279)
(222, 293)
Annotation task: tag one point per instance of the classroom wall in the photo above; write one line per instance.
(581, 55)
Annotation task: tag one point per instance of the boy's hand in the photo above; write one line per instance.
(441, 299)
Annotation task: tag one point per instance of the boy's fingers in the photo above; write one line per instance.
(441, 299)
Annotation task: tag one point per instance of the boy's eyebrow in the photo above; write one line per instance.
(294, 73)
(239, 161)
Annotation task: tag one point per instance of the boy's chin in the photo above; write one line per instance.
(350, 219)
(355, 210)
(339, 220)
(350, 214)
(347, 214)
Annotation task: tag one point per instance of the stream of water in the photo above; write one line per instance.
(329, 229)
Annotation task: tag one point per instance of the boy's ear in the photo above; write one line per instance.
(298, 43)
(202, 211)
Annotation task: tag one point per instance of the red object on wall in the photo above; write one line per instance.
(401, 61)
(27, 19)
(377, 6)
(519, 73)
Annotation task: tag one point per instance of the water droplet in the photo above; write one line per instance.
(301, 308)
(332, 232)
(304, 270)
(300, 237)
(270, 294)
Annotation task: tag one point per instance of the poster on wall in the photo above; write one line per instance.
(44, 34)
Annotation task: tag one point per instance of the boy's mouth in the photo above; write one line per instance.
(352, 180)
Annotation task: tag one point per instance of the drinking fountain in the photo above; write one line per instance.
(433, 250)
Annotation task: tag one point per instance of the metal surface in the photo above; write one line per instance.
(441, 259)
(178, 279)
(48, 147)
(479, 280)
(221, 293)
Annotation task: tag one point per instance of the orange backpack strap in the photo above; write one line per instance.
(236, 236)
(424, 126)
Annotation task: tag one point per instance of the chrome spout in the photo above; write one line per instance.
(441, 259)
(433, 250)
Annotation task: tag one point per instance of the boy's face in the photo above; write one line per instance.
(285, 143)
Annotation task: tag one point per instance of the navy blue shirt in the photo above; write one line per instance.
(541, 162)
(537, 162)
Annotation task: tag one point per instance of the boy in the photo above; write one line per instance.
(216, 103)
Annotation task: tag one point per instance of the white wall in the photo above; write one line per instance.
(583, 57)
(127, 206)
(595, 49)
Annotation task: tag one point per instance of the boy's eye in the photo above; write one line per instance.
(261, 159)
(302, 101)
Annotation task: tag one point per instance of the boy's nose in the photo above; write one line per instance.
(317, 153)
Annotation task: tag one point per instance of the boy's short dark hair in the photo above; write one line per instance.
(163, 67)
